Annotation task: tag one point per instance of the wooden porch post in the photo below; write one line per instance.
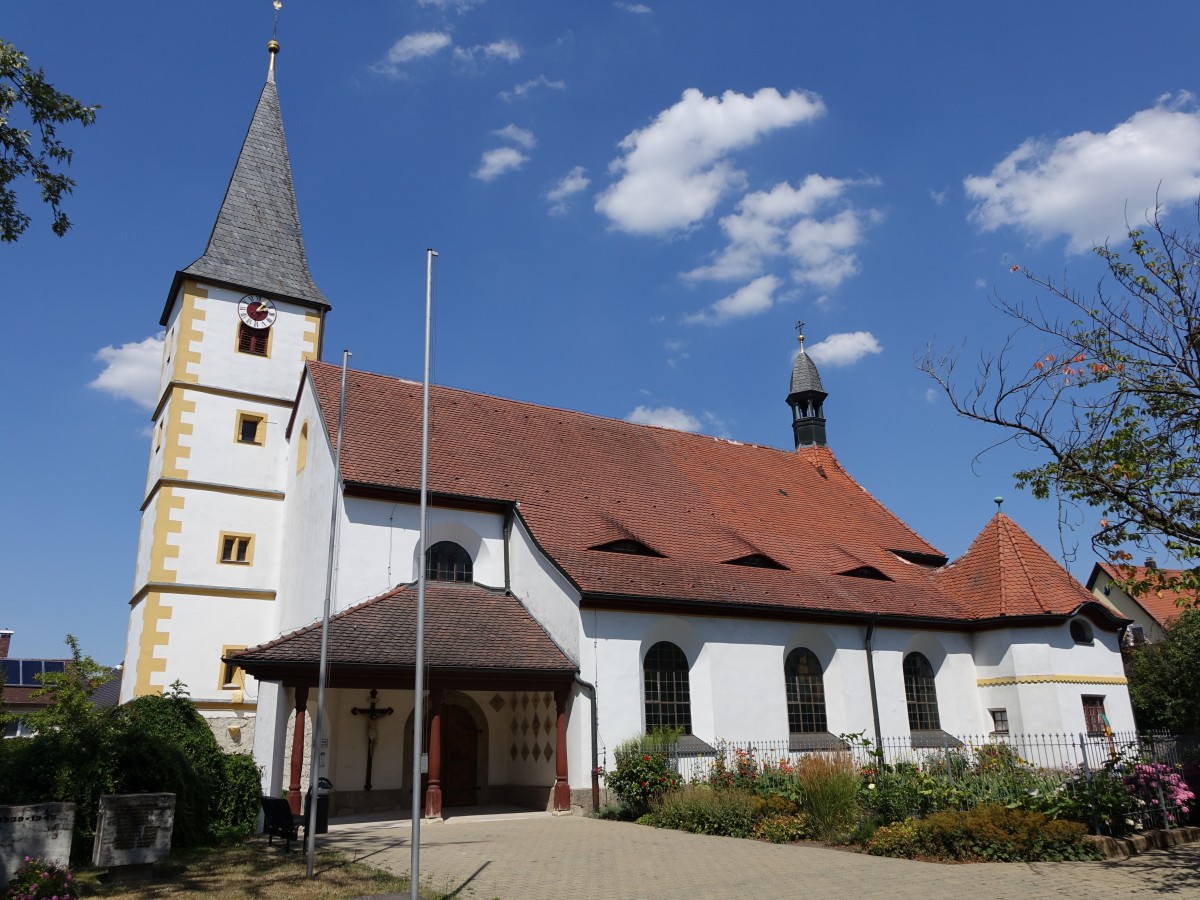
(562, 790)
(298, 749)
(433, 793)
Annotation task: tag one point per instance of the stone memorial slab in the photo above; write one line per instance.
(133, 829)
(38, 830)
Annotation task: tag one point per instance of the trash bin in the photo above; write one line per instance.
(324, 787)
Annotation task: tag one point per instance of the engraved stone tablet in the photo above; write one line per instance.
(133, 829)
(41, 830)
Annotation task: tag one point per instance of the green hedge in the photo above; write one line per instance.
(992, 833)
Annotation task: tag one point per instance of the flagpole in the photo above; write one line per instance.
(419, 663)
(310, 829)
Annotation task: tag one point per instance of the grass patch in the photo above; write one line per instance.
(251, 870)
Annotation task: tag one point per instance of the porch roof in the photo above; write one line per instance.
(468, 628)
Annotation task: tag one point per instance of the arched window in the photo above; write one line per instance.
(446, 561)
(805, 692)
(921, 694)
(668, 702)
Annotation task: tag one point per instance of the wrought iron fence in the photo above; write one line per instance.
(1119, 782)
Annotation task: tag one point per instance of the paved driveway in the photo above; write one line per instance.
(531, 856)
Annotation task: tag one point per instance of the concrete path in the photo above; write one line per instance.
(531, 856)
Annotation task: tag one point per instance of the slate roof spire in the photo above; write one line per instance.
(806, 399)
(256, 244)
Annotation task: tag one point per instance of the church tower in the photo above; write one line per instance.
(806, 399)
(241, 322)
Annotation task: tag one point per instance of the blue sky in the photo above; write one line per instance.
(633, 204)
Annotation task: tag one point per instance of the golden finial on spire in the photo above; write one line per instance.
(273, 44)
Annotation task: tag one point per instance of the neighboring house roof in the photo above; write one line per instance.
(256, 243)
(583, 482)
(1162, 605)
(467, 628)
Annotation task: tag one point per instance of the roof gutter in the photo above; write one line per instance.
(590, 690)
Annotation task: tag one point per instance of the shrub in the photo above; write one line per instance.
(783, 829)
(829, 788)
(989, 832)
(237, 798)
(701, 810)
(39, 879)
(644, 772)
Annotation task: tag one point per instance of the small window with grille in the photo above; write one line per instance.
(999, 721)
(1094, 718)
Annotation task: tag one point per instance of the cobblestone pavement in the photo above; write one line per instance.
(531, 856)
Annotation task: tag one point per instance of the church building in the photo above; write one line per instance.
(589, 579)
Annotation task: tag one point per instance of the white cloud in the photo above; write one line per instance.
(938, 197)
(565, 188)
(526, 87)
(674, 171)
(1083, 186)
(664, 416)
(844, 349)
(507, 50)
(495, 163)
(981, 283)
(931, 395)
(779, 224)
(131, 371)
(411, 47)
(748, 300)
(640, 9)
(520, 136)
(460, 5)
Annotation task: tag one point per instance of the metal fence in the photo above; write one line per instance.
(1125, 781)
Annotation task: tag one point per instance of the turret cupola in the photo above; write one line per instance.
(807, 399)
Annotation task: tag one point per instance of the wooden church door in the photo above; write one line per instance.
(460, 757)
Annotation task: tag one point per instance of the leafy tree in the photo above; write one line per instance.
(36, 150)
(69, 693)
(1113, 397)
(1164, 677)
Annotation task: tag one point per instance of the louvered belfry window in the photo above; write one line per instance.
(668, 699)
(253, 340)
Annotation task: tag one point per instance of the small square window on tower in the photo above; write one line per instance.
(255, 341)
(237, 549)
(251, 428)
(232, 677)
(999, 721)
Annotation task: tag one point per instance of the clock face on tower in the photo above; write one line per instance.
(257, 312)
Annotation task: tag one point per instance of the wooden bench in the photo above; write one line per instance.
(280, 821)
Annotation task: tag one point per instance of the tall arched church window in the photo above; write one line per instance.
(668, 700)
(921, 694)
(447, 561)
(805, 692)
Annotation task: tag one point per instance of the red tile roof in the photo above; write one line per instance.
(467, 627)
(582, 481)
(1163, 605)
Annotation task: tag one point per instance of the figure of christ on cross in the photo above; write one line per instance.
(373, 714)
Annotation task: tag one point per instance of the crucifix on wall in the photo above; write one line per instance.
(373, 713)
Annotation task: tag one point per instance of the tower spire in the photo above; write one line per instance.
(273, 43)
(256, 244)
(806, 399)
